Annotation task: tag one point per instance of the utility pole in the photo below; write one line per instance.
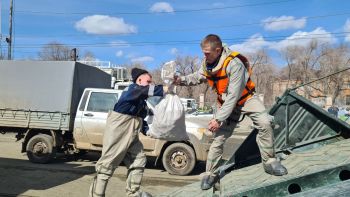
(73, 54)
(9, 39)
(1, 55)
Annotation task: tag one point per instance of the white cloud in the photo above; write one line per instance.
(174, 51)
(119, 53)
(347, 29)
(257, 41)
(304, 38)
(102, 24)
(283, 22)
(161, 7)
(253, 44)
(142, 59)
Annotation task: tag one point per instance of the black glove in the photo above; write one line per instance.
(144, 128)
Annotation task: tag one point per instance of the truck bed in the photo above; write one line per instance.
(34, 119)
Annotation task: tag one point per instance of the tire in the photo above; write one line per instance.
(179, 159)
(81, 152)
(40, 149)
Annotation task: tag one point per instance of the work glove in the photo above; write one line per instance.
(145, 128)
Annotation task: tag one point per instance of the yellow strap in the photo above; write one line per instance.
(234, 53)
(229, 58)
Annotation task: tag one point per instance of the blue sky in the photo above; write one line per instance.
(154, 32)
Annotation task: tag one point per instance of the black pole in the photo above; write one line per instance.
(73, 54)
(9, 39)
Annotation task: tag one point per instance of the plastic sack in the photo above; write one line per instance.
(168, 70)
(169, 120)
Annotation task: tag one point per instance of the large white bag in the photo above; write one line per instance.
(169, 120)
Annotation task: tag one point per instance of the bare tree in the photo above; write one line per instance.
(156, 75)
(188, 65)
(290, 54)
(335, 59)
(55, 52)
(88, 56)
(263, 74)
(303, 62)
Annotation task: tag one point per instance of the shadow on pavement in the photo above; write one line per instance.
(93, 157)
(19, 176)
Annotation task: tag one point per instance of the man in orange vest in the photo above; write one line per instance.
(228, 73)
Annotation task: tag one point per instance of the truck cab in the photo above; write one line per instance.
(177, 157)
(91, 117)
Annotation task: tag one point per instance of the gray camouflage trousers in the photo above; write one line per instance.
(120, 144)
(255, 110)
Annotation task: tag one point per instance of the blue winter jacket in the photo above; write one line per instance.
(132, 101)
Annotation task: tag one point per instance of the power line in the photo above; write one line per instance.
(145, 13)
(19, 49)
(206, 27)
(245, 24)
(186, 42)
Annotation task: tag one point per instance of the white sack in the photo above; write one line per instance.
(169, 120)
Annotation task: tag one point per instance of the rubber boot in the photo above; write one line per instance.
(208, 181)
(98, 187)
(146, 194)
(274, 167)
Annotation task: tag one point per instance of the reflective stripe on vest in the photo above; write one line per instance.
(219, 81)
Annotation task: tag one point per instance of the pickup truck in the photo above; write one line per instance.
(60, 107)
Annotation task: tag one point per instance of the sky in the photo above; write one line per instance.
(154, 32)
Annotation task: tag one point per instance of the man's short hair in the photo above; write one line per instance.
(213, 40)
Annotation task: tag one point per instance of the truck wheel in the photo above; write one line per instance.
(179, 159)
(40, 148)
(81, 152)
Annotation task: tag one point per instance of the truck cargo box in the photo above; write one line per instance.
(44, 94)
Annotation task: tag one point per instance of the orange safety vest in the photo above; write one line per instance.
(219, 81)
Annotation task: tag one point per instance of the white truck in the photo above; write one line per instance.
(189, 104)
(63, 106)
